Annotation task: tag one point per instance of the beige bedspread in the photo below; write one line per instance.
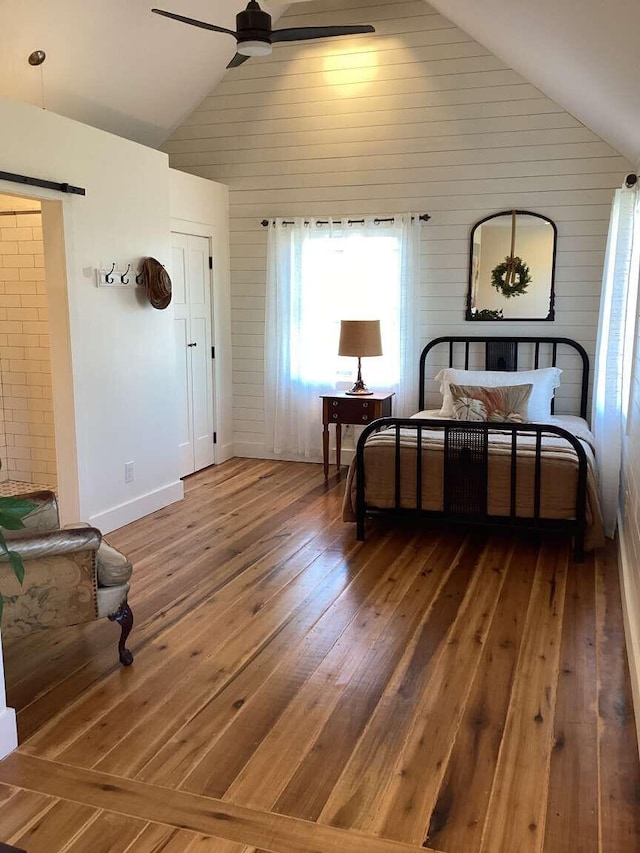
(558, 476)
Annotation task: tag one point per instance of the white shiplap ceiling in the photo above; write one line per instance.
(114, 65)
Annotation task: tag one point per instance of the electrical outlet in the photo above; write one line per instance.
(128, 472)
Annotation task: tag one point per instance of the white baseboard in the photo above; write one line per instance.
(8, 731)
(254, 450)
(132, 510)
(630, 604)
(224, 452)
(251, 450)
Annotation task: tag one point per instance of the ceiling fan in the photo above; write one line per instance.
(254, 35)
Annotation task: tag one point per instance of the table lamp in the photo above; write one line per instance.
(360, 338)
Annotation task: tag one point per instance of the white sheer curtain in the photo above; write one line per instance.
(317, 275)
(619, 287)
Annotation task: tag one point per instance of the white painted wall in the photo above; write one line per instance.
(113, 357)
(418, 117)
(194, 203)
(121, 348)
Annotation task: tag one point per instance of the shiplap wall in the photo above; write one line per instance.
(416, 117)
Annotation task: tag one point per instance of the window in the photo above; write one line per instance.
(318, 274)
(631, 312)
(614, 349)
(346, 277)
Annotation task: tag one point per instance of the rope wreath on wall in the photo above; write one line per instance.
(512, 276)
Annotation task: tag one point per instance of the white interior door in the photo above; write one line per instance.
(180, 300)
(192, 311)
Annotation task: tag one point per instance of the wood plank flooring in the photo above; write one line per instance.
(295, 691)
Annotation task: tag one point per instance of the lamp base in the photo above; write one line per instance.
(359, 390)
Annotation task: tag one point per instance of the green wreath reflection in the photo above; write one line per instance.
(511, 277)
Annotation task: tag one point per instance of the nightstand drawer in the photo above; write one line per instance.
(353, 411)
(340, 408)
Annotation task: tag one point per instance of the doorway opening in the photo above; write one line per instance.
(28, 459)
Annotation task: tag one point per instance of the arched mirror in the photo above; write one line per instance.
(511, 267)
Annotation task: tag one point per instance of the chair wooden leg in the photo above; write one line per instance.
(124, 617)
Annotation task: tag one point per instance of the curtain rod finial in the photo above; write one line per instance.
(631, 180)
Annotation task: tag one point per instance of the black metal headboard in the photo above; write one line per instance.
(501, 353)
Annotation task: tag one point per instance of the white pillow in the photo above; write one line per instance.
(544, 381)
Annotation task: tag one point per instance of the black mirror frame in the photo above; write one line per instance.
(552, 295)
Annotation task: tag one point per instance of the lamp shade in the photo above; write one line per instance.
(360, 338)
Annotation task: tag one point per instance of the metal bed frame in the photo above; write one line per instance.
(466, 444)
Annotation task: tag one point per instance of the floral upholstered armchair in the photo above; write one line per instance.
(71, 575)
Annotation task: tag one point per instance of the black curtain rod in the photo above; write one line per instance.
(424, 217)
(40, 182)
(631, 180)
(17, 212)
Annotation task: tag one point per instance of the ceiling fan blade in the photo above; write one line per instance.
(304, 33)
(202, 24)
(238, 59)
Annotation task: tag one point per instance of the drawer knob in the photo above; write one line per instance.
(335, 417)
(335, 402)
(365, 417)
(364, 405)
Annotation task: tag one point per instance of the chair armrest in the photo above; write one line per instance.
(43, 518)
(60, 581)
(31, 545)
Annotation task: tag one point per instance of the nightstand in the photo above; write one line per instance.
(343, 408)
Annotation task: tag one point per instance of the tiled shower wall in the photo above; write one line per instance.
(27, 444)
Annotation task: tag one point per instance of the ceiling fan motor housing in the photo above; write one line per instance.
(253, 24)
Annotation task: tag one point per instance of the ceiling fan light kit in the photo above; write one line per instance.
(254, 36)
(254, 48)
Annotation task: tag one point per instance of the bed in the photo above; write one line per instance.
(530, 473)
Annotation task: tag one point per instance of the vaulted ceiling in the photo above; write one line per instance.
(583, 54)
(114, 65)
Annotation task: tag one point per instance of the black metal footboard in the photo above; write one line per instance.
(466, 474)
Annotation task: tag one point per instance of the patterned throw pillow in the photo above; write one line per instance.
(507, 403)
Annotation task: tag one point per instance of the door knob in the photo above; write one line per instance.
(192, 345)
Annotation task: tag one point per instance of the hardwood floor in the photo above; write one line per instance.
(297, 691)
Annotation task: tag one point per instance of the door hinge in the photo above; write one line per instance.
(213, 352)
(210, 262)
(215, 438)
